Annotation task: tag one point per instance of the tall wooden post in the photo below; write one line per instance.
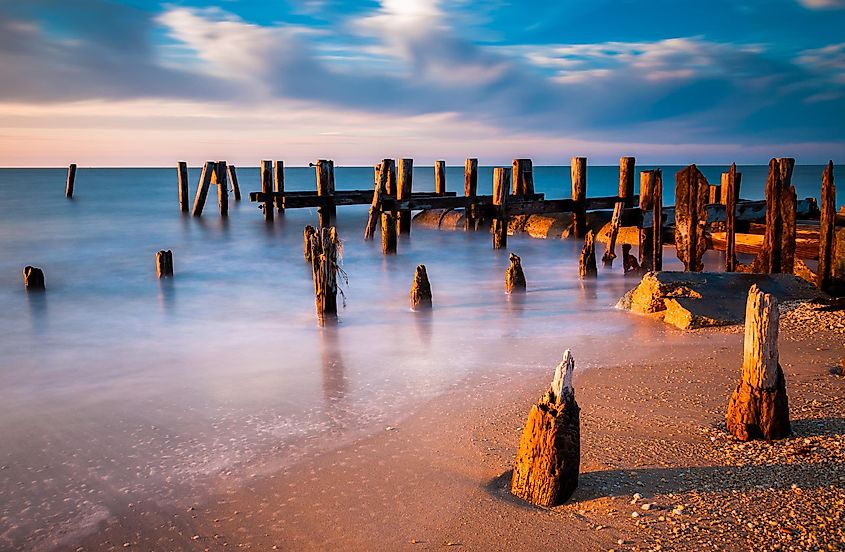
(548, 460)
(778, 251)
(627, 172)
(691, 195)
(325, 189)
(646, 206)
(71, 179)
(759, 407)
(579, 195)
(266, 173)
(501, 188)
(182, 179)
(164, 264)
(202, 188)
(470, 191)
(325, 252)
(827, 229)
(523, 177)
(729, 180)
(737, 180)
(33, 278)
(279, 184)
(421, 290)
(233, 178)
(657, 217)
(514, 276)
(220, 172)
(440, 178)
(404, 187)
(380, 190)
(388, 233)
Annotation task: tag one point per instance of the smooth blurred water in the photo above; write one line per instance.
(117, 387)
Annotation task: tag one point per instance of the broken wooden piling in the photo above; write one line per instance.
(470, 192)
(730, 181)
(266, 175)
(202, 187)
(307, 233)
(514, 276)
(827, 229)
(778, 252)
(615, 221)
(646, 206)
(440, 178)
(629, 262)
(164, 264)
(501, 188)
(33, 278)
(523, 177)
(325, 252)
(182, 181)
(327, 212)
(220, 172)
(627, 172)
(548, 460)
(759, 407)
(388, 233)
(587, 260)
(421, 290)
(404, 189)
(691, 195)
(71, 180)
(578, 171)
(657, 221)
(279, 185)
(233, 178)
(379, 192)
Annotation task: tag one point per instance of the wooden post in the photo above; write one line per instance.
(470, 191)
(404, 187)
(646, 206)
(501, 188)
(233, 178)
(548, 460)
(421, 290)
(691, 194)
(729, 180)
(325, 251)
(514, 276)
(325, 188)
(71, 179)
(627, 172)
(182, 179)
(307, 234)
(629, 262)
(523, 177)
(388, 233)
(164, 264)
(714, 194)
(579, 195)
(759, 406)
(379, 191)
(736, 183)
(202, 187)
(587, 260)
(440, 178)
(266, 173)
(220, 172)
(33, 278)
(827, 229)
(279, 184)
(389, 166)
(657, 230)
(615, 221)
(778, 251)
(788, 210)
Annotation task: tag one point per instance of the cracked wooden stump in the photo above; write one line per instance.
(514, 276)
(388, 233)
(33, 278)
(325, 251)
(587, 261)
(759, 407)
(306, 241)
(164, 264)
(421, 290)
(548, 460)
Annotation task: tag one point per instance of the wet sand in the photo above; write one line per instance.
(658, 470)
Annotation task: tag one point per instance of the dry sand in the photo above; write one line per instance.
(658, 471)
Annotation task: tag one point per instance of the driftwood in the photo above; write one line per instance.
(514, 276)
(440, 178)
(164, 264)
(470, 192)
(827, 229)
(326, 249)
(307, 233)
(233, 178)
(202, 187)
(778, 253)
(388, 233)
(691, 196)
(523, 177)
(501, 187)
(182, 180)
(587, 260)
(759, 407)
(220, 173)
(404, 189)
(33, 278)
(578, 171)
(421, 290)
(615, 221)
(627, 171)
(279, 184)
(548, 460)
(266, 173)
(71, 180)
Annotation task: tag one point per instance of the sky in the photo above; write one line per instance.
(147, 83)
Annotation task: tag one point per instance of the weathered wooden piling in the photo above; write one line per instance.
(759, 407)
(514, 276)
(440, 178)
(33, 278)
(388, 233)
(164, 264)
(615, 222)
(523, 177)
(379, 192)
(778, 252)
(578, 171)
(421, 290)
(501, 188)
(71, 180)
(325, 188)
(220, 172)
(266, 174)
(729, 195)
(657, 221)
(279, 184)
(325, 252)
(404, 188)
(691, 195)
(629, 262)
(548, 460)
(202, 187)
(627, 172)
(389, 168)
(737, 180)
(307, 234)
(470, 191)
(233, 178)
(182, 180)
(714, 194)
(827, 229)
(646, 206)
(587, 261)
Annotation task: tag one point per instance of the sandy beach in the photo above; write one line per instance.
(658, 470)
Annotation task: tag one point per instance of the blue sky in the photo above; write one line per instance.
(143, 83)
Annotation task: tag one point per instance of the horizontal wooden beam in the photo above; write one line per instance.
(341, 197)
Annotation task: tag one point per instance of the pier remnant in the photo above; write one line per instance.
(440, 178)
(827, 229)
(71, 179)
(501, 188)
(470, 192)
(421, 290)
(646, 206)
(629, 262)
(691, 195)
(325, 252)
(233, 178)
(404, 189)
(514, 276)
(730, 185)
(327, 212)
(778, 252)
(279, 185)
(587, 260)
(380, 190)
(523, 177)
(307, 233)
(164, 264)
(615, 221)
(759, 407)
(627, 172)
(220, 172)
(578, 171)
(33, 278)
(548, 460)
(657, 221)
(266, 175)
(202, 187)
(182, 180)
(388, 233)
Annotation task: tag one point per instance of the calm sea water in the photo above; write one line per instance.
(117, 387)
